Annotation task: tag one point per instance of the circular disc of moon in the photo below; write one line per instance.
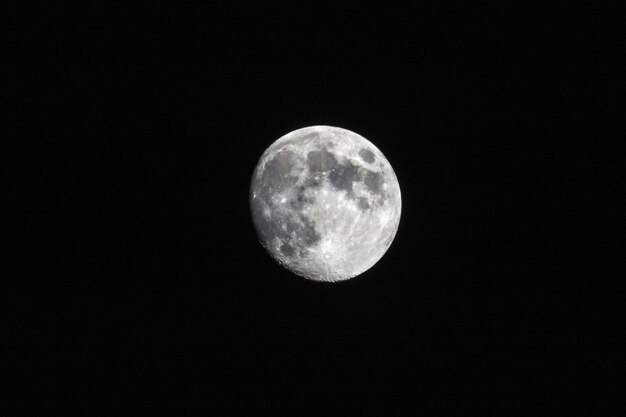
(325, 203)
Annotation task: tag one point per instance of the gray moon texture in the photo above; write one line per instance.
(325, 203)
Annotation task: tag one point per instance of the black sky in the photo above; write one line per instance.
(140, 278)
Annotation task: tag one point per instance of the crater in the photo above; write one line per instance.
(291, 227)
(367, 155)
(287, 249)
(343, 176)
(321, 161)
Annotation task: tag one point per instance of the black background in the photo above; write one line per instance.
(140, 283)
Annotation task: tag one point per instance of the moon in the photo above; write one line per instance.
(325, 203)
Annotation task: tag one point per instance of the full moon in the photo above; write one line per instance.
(325, 203)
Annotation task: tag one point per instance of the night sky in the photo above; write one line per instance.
(140, 283)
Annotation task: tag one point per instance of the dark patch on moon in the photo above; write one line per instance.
(312, 182)
(276, 176)
(309, 235)
(343, 176)
(268, 228)
(291, 227)
(309, 136)
(297, 203)
(374, 182)
(301, 199)
(321, 161)
(363, 204)
(287, 249)
(367, 155)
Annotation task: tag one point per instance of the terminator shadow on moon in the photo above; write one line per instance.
(325, 203)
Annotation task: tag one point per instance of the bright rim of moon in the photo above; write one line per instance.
(325, 203)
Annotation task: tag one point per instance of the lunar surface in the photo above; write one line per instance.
(325, 203)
